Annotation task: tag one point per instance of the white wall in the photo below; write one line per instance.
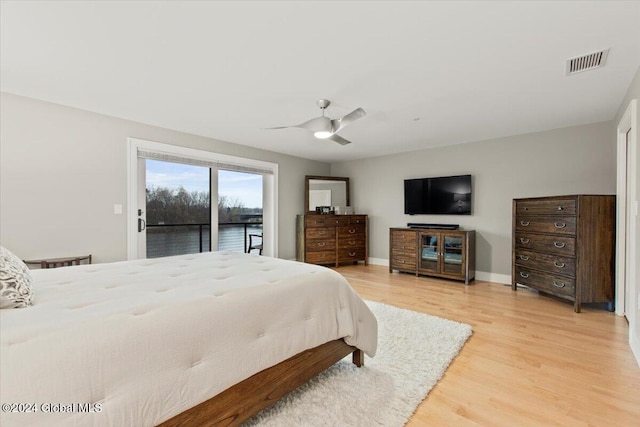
(63, 169)
(575, 160)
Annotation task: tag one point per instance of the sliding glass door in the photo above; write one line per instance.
(239, 210)
(171, 202)
(178, 205)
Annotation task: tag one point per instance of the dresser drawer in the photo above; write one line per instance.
(546, 207)
(351, 231)
(547, 224)
(547, 262)
(340, 220)
(321, 257)
(403, 237)
(404, 262)
(351, 242)
(408, 251)
(560, 245)
(320, 233)
(357, 219)
(546, 282)
(320, 245)
(345, 255)
(319, 221)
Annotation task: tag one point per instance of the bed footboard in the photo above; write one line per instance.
(239, 403)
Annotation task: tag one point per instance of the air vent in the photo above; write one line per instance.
(587, 62)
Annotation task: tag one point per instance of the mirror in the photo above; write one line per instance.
(325, 191)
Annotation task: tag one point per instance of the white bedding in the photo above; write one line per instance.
(142, 341)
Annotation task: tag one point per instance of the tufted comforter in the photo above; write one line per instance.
(134, 343)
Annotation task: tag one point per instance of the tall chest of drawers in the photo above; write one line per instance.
(564, 246)
(332, 239)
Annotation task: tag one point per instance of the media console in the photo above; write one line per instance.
(437, 226)
(433, 252)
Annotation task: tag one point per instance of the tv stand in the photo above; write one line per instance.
(433, 252)
(436, 226)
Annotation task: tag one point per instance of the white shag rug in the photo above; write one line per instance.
(414, 350)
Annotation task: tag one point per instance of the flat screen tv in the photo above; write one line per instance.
(448, 195)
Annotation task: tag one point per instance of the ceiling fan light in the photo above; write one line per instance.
(322, 134)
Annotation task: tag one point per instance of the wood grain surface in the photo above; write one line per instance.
(531, 361)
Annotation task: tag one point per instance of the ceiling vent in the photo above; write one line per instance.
(587, 62)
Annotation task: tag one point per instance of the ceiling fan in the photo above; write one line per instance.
(325, 128)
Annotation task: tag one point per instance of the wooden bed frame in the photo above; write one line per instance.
(239, 403)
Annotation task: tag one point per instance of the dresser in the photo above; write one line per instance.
(332, 239)
(564, 246)
(433, 252)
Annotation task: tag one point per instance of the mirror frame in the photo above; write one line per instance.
(324, 178)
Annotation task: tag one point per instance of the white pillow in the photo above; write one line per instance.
(15, 281)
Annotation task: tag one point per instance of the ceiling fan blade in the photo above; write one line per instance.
(317, 124)
(340, 140)
(356, 114)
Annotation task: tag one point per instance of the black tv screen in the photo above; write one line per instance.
(449, 195)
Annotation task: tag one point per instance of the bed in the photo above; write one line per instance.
(178, 340)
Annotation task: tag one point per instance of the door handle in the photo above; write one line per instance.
(142, 225)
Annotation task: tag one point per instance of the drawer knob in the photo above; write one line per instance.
(402, 262)
(559, 245)
(523, 240)
(559, 264)
(559, 284)
(352, 231)
(322, 243)
(322, 232)
(524, 223)
(560, 224)
(560, 208)
(524, 257)
(526, 209)
(352, 254)
(524, 275)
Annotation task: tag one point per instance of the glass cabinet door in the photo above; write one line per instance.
(452, 254)
(429, 255)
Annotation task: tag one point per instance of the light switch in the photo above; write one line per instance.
(117, 209)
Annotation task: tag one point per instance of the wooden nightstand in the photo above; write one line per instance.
(59, 262)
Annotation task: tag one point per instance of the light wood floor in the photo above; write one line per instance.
(531, 360)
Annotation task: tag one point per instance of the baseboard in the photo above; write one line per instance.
(480, 275)
(634, 343)
(505, 279)
(379, 261)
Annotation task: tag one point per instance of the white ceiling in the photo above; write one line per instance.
(427, 73)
